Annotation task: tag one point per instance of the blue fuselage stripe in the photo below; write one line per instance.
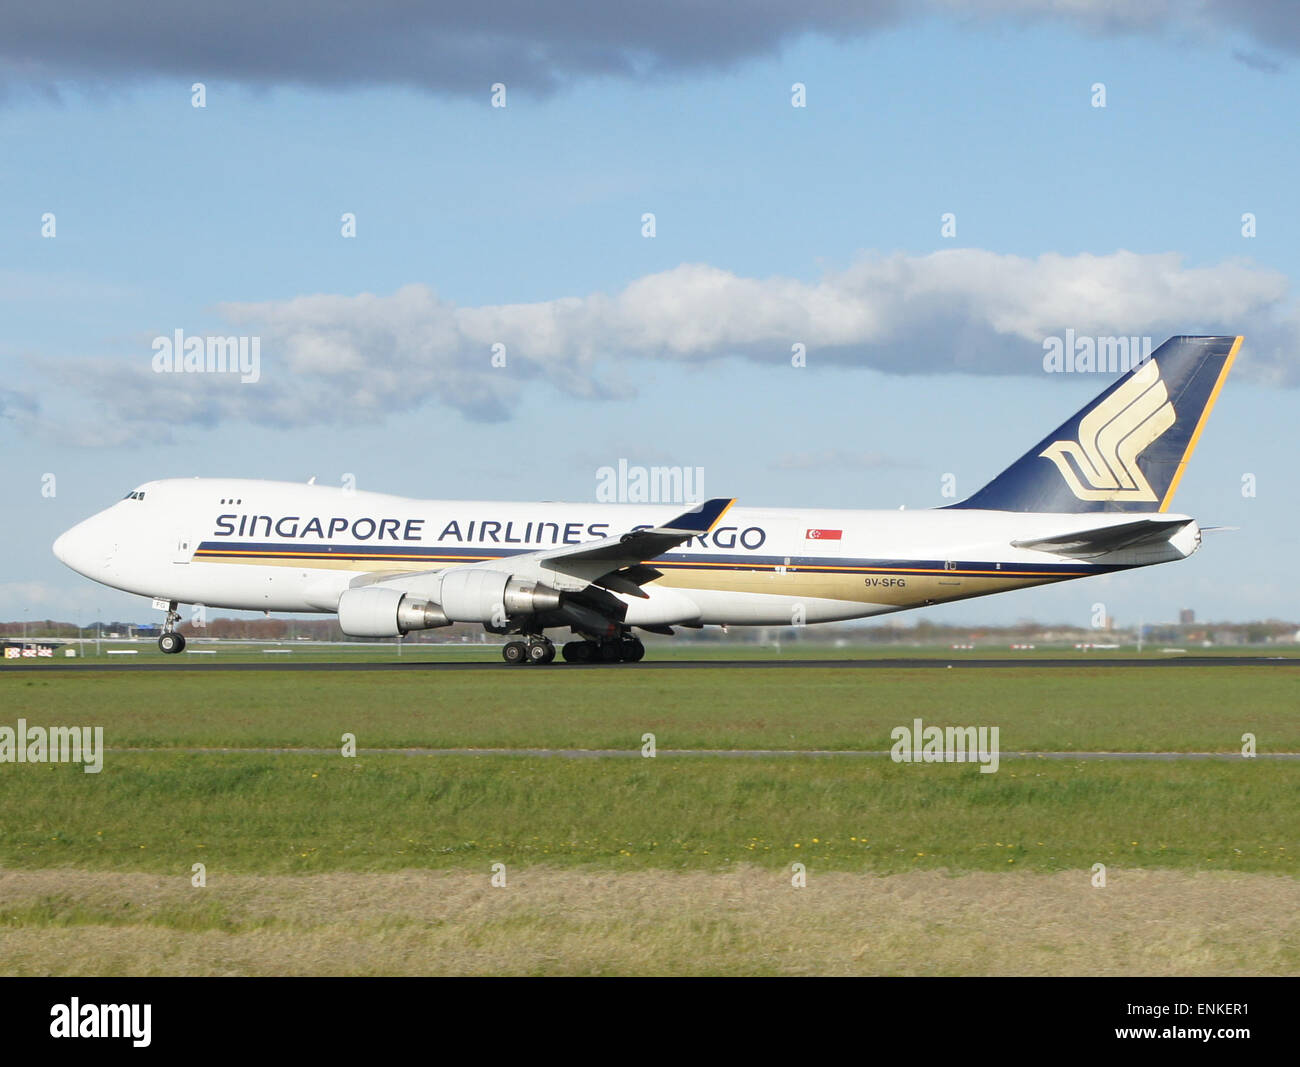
(449, 555)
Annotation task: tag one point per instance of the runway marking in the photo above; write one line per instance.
(733, 753)
(738, 664)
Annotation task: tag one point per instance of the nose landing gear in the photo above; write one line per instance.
(171, 642)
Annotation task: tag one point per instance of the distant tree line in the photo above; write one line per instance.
(921, 632)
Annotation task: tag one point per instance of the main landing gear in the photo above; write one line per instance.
(539, 649)
(536, 649)
(171, 642)
(626, 649)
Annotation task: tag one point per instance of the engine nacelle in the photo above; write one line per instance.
(376, 611)
(474, 595)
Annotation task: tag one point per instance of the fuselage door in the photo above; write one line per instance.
(185, 546)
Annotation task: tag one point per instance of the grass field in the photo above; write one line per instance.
(675, 864)
(1185, 709)
(744, 922)
(243, 813)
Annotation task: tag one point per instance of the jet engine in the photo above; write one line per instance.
(376, 611)
(474, 595)
(470, 595)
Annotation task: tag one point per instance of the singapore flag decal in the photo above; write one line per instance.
(824, 535)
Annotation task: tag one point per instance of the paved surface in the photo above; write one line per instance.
(495, 664)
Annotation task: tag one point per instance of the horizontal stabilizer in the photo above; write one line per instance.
(1084, 544)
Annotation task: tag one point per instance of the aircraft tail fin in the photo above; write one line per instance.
(1127, 450)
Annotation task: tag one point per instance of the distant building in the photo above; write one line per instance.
(1186, 616)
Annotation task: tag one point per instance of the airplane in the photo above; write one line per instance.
(1091, 498)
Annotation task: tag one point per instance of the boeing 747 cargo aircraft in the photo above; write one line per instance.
(1092, 497)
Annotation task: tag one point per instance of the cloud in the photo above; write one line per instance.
(29, 593)
(444, 46)
(448, 46)
(1256, 61)
(17, 405)
(35, 601)
(335, 360)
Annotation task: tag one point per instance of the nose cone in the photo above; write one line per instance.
(73, 548)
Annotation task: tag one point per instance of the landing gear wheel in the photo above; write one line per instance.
(577, 652)
(541, 652)
(514, 652)
(171, 642)
(631, 650)
(610, 651)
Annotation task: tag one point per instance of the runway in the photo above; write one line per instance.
(898, 663)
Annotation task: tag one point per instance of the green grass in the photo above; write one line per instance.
(1036, 709)
(60, 911)
(244, 813)
(650, 866)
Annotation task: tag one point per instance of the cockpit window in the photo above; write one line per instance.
(135, 494)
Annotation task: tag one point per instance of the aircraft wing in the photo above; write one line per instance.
(618, 563)
(1083, 544)
(615, 563)
(641, 545)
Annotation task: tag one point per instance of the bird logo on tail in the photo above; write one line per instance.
(1112, 436)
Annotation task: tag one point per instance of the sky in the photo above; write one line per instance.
(949, 196)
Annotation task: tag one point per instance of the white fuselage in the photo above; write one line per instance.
(288, 547)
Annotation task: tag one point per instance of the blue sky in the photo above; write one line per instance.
(223, 219)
